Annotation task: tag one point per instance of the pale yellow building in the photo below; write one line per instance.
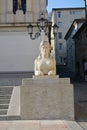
(17, 50)
(64, 17)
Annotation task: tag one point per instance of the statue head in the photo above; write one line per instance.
(45, 49)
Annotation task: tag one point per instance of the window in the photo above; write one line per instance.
(60, 24)
(23, 4)
(19, 5)
(60, 35)
(72, 12)
(61, 59)
(60, 46)
(15, 5)
(59, 14)
(75, 12)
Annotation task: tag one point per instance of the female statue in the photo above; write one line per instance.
(45, 64)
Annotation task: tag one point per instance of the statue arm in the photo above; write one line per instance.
(53, 71)
(54, 65)
(36, 69)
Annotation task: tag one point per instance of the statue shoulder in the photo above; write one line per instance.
(38, 58)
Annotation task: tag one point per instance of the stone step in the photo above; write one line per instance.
(4, 106)
(4, 101)
(3, 112)
(5, 92)
(5, 96)
(6, 89)
(4, 117)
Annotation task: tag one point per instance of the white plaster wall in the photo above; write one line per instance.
(17, 51)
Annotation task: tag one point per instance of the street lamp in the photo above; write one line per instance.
(42, 25)
(30, 32)
(55, 29)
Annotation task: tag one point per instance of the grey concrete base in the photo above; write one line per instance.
(46, 97)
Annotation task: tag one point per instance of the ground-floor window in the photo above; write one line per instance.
(19, 5)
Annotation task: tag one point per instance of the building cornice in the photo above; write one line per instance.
(76, 21)
(84, 26)
(76, 8)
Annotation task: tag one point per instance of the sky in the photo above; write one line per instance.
(64, 4)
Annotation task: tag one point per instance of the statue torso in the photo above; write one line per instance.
(45, 65)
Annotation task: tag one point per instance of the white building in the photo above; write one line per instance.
(70, 43)
(17, 50)
(64, 17)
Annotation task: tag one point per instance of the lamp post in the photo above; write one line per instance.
(42, 25)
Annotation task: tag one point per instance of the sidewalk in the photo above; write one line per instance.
(83, 125)
(40, 125)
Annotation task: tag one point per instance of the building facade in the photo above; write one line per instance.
(81, 50)
(70, 43)
(17, 50)
(13, 11)
(64, 17)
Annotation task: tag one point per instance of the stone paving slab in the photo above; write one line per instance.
(83, 125)
(40, 125)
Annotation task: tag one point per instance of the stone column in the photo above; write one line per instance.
(28, 5)
(2, 6)
(2, 11)
(28, 16)
(9, 11)
(43, 5)
(10, 5)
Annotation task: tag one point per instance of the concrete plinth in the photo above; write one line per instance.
(47, 97)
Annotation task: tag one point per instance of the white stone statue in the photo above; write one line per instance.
(45, 64)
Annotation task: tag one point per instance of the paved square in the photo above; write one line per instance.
(40, 125)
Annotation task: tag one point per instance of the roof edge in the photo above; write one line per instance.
(72, 8)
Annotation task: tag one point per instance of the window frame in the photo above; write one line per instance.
(59, 35)
(15, 6)
(59, 14)
(60, 24)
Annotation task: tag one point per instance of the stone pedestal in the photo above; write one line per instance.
(46, 97)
